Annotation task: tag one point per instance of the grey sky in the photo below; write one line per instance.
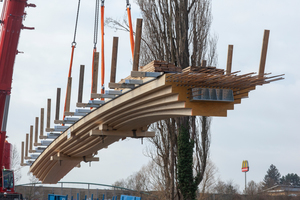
(262, 129)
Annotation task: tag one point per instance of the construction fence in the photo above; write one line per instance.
(33, 191)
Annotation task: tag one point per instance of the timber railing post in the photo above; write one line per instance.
(36, 130)
(48, 113)
(80, 87)
(42, 124)
(95, 72)
(229, 59)
(22, 154)
(57, 103)
(114, 60)
(26, 146)
(137, 44)
(31, 139)
(263, 56)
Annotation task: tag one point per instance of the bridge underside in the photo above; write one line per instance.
(170, 95)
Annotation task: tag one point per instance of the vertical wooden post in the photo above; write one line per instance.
(68, 97)
(22, 153)
(42, 124)
(229, 59)
(36, 131)
(31, 139)
(264, 53)
(48, 113)
(95, 72)
(114, 60)
(203, 63)
(80, 87)
(26, 145)
(57, 103)
(137, 44)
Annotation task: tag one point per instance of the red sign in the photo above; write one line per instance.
(245, 166)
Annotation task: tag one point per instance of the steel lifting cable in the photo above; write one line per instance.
(74, 39)
(130, 27)
(71, 61)
(96, 27)
(102, 47)
(96, 24)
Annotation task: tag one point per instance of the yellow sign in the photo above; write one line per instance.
(245, 166)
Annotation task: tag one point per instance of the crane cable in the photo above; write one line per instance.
(74, 39)
(102, 48)
(72, 55)
(130, 27)
(96, 24)
(96, 27)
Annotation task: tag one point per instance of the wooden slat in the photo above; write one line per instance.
(68, 96)
(57, 103)
(22, 153)
(26, 145)
(80, 87)
(48, 112)
(81, 104)
(36, 130)
(95, 72)
(98, 96)
(31, 139)
(114, 60)
(263, 56)
(203, 63)
(229, 59)
(120, 85)
(137, 44)
(42, 124)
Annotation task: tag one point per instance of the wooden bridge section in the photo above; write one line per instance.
(157, 91)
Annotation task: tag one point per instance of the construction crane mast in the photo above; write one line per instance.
(13, 13)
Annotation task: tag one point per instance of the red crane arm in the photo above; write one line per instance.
(11, 24)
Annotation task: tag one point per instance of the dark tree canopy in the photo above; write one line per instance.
(272, 177)
(290, 179)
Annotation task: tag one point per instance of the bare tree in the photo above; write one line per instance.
(30, 193)
(138, 181)
(178, 32)
(15, 163)
(228, 188)
(209, 181)
(164, 153)
(253, 188)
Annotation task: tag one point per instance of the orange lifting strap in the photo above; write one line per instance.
(130, 27)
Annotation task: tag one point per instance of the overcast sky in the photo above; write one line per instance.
(263, 129)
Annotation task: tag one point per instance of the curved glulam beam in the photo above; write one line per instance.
(126, 116)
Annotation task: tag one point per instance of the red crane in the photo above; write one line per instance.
(13, 13)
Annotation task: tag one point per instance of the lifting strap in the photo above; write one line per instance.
(71, 61)
(130, 27)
